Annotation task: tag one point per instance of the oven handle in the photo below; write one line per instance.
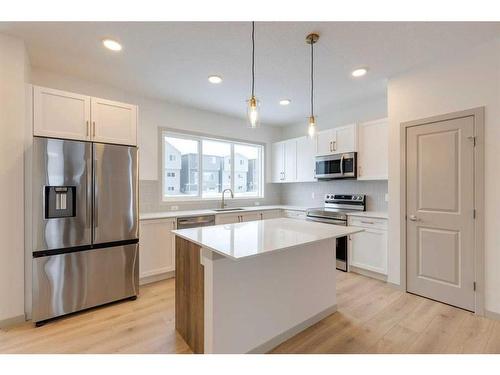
(327, 221)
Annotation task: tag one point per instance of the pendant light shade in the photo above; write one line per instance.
(253, 118)
(311, 127)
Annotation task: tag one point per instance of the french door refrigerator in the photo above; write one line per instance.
(85, 226)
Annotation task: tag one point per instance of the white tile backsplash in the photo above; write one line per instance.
(149, 199)
(311, 194)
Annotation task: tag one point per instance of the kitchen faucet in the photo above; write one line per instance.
(223, 205)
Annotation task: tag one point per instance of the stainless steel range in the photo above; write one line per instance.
(335, 212)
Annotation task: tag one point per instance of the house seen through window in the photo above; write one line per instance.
(223, 165)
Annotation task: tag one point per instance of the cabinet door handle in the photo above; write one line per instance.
(367, 222)
(334, 145)
(93, 128)
(87, 128)
(331, 146)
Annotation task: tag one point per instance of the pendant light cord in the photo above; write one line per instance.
(312, 79)
(253, 57)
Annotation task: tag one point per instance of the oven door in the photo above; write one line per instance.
(336, 166)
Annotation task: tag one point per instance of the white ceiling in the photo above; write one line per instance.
(172, 60)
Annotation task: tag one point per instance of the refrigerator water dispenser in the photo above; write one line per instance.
(60, 201)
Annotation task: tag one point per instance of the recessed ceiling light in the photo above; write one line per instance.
(111, 44)
(215, 79)
(360, 72)
(285, 101)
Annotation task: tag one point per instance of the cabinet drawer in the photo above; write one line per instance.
(294, 214)
(368, 222)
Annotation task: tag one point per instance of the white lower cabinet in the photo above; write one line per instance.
(292, 214)
(247, 216)
(270, 214)
(368, 249)
(156, 247)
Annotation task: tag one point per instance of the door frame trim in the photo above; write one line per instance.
(479, 258)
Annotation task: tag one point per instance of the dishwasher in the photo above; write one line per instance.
(195, 221)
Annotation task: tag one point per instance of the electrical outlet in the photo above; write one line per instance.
(257, 203)
(174, 208)
(313, 195)
(387, 197)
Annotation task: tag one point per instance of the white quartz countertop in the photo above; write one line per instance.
(374, 214)
(174, 214)
(253, 238)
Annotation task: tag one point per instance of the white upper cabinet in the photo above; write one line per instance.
(290, 160)
(278, 155)
(345, 139)
(305, 159)
(284, 156)
(60, 114)
(324, 142)
(66, 115)
(373, 150)
(337, 140)
(114, 122)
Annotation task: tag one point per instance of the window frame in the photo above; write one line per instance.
(199, 137)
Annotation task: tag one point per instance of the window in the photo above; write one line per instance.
(197, 167)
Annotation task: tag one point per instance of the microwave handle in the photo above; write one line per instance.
(342, 165)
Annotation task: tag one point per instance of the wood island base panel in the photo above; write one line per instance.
(189, 294)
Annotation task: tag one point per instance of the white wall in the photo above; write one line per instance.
(459, 83)
(155, 113)
(14, 69)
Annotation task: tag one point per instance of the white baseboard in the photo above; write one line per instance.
(492, 315)
(373, 275)
(12, 321)
(275, 341)
(158, 277)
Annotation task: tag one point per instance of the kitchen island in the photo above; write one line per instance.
(247, 287)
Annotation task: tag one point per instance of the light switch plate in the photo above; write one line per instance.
(313, 195)
(174, 208)
(257, 203)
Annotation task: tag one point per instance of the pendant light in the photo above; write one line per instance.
(311, 128)
(253, 104)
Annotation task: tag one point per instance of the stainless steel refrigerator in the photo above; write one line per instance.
(85, 226)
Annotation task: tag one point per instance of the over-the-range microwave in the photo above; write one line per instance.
(336, 166)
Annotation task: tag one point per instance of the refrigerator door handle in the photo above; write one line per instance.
(88, 163)
(96, 190)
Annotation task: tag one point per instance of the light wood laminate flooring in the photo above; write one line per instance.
(372, 317)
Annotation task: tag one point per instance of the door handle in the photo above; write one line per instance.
(413, 218)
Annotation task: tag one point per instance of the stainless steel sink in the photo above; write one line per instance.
(228, 209)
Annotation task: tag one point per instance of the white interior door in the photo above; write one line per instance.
(440, 211)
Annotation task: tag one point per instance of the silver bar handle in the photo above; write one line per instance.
(96, 190)
(189, 222)
(342, 164)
